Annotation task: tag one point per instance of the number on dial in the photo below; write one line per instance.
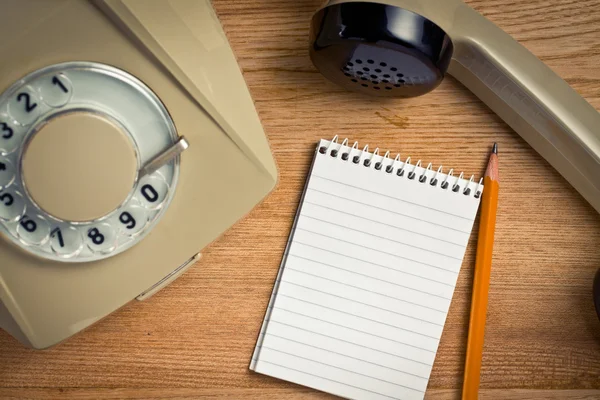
(56, 81)
(127, 220)
(96, 236)
(7, 130)
(7, 199)
(58, 234)
(149, 193)
(28, 224)
(26, 98)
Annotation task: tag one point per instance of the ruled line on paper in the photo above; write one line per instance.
(345, 355)
(367, 290)
(380, 251)
(369, 276)
(358, 316)
(383, 237)
(331, 380)
(371, 263)
(353, 343)
(379, 222)
(390, 211)
(391, 197)
(343, 369)
(354, 329)
(364, 304)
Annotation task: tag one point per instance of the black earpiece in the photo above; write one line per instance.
(379, 49)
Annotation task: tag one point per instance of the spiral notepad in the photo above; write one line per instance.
(368, 275)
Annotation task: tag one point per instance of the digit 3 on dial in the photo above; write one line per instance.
(89, 161)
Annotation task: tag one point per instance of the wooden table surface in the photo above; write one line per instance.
(195, 338)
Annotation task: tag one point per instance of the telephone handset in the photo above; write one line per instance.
(128, 141)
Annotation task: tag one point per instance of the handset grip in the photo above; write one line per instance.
(552, 117)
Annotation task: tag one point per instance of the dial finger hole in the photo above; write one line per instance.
(12, 205)
(11, 134)
(66, 241)
(24, 106)
(7, 173)
(33, 229)
(101, 238)
(152, 191)
(132, 220)
(55, 90)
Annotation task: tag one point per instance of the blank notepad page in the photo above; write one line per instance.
(368, 275)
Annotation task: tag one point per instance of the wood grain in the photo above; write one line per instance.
(195, 338)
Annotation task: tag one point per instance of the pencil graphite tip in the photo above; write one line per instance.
(492, 168)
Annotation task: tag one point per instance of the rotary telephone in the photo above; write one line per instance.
(128, 141)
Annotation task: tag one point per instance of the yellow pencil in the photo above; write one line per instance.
(481, 280)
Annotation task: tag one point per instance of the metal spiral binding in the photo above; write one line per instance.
(388, 165)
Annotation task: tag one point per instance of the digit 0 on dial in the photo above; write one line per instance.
(74, 139)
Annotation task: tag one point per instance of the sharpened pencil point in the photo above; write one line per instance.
(495, 148)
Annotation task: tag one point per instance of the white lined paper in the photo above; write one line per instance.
(366, 281)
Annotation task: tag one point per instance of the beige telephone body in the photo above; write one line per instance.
(128, 142)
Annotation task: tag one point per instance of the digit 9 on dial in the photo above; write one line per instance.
(89, 161)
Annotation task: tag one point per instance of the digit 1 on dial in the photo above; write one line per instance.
(56, 90)
(57, 82)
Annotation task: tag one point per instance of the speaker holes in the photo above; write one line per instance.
(378, 75)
